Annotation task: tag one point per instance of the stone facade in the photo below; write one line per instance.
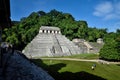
(50, 42)
(47, 29)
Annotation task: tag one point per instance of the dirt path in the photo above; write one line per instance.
(86, 60)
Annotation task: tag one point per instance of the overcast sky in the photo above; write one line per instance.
(98, 13)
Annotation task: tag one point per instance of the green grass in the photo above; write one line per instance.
(78, 56)
(84, 56)
(76, 70)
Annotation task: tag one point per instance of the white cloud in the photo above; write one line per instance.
(108, 10)
(110, 16)
(103, 9)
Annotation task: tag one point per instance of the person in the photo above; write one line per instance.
(93, 66)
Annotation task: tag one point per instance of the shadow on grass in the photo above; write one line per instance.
(53, 71)
(79, 76)
(118, 64)
(51, 67)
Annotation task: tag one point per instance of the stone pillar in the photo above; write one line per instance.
(53, 32)
(40, 31)
(56, 32)
(45, 31)
(48, 31)
(59, 32)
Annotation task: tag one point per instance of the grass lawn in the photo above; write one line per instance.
(84, 56)
(79, 56)
(76, 70)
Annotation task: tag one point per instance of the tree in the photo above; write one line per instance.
(41, 13)
(110, 50)
(118, 40)
(82, 29)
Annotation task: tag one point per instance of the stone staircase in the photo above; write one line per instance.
(68, 46)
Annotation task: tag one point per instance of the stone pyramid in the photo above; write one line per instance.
(50, 42)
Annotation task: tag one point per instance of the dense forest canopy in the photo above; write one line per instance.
(24, 31)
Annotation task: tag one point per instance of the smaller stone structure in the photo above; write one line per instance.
(89, 47)
(100, 41)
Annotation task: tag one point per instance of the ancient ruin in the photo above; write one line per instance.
(89, 47)
(50, 42)
(100, 41)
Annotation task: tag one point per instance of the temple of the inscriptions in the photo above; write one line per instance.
(50, 42)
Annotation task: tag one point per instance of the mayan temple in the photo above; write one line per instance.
(50, 42)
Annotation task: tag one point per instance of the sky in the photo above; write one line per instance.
(97, 13)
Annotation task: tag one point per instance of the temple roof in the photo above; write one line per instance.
(49, 28)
